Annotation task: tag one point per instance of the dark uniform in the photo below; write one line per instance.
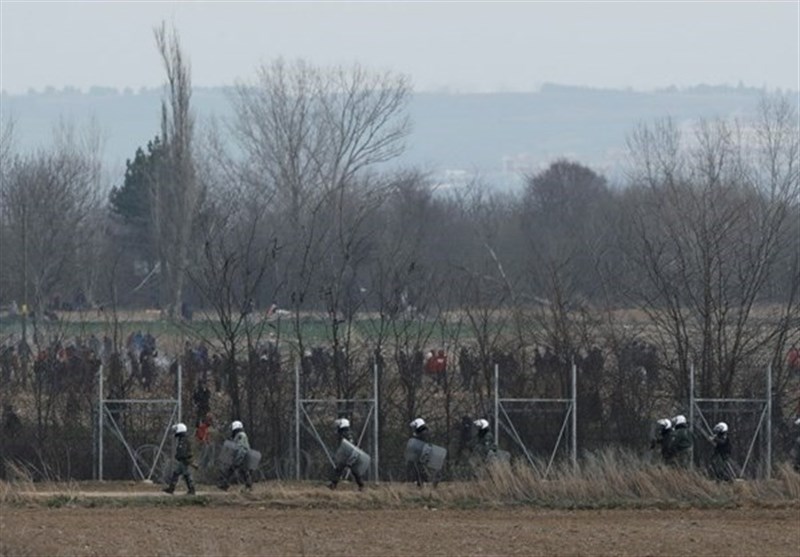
(797, 445)
(662, 439)
(183, 461)
(484, 444)
(681, 445)
(720, 458)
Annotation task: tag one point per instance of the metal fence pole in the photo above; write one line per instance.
(574, 448)
(180, 390)
(691, 412)
(375, 421)
(297, 421)
(100, 405)
(769, 421)
(496, 402)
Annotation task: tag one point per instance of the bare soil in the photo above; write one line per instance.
(251, 529)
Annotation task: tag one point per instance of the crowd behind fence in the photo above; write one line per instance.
(50, 417)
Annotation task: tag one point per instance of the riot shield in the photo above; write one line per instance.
(430, 456)
(253, 459)
(433, 457)
(229, 449)
(349, 455)
(414, 449)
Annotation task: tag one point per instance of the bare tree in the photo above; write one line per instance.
(487, 291)
(88, 143)
(307, 130)
(711, 216)
(177, 191)
(235, 264)
(7, 162)
(311, 136)
(6, 144)
(47, 201)
(563, 213)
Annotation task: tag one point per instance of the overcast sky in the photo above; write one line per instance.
(458, 46)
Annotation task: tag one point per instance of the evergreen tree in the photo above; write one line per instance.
(132, 201)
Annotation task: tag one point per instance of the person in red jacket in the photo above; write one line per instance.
(436, 366)
(202, 433)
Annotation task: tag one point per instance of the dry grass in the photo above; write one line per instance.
(611, 479)
(618, 479)
(20, 481)
(20, 485)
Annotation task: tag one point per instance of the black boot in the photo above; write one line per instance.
(169, 489)
(190, 486)
(224, 481)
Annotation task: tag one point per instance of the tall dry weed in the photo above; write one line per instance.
(790, 481)
(618, 478)
(19, 482)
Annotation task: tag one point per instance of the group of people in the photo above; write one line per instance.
(674, 439)
(483, 446)
(419, 430)
(237, 469)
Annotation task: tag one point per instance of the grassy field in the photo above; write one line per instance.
(315, 325)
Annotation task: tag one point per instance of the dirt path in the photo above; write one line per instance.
(232, 530)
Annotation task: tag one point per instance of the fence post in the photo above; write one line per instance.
(574, 417)
(100, 425)
(375, 423)
(769, 421)
(297, 420)
(180, 390)
(496, 402)
(691, 412)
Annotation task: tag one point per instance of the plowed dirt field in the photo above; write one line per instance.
(35, 529)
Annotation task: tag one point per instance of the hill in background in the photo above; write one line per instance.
(497, 136)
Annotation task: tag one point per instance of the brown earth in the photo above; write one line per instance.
(247, 529)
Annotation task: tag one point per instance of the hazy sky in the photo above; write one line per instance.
(460, 46)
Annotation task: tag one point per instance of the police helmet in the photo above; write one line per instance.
(341, 423)
(237, 425)
(180, 428)
(481, 423)
(721, 427)
(664, 423)
(680, 419)
(417, 423)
